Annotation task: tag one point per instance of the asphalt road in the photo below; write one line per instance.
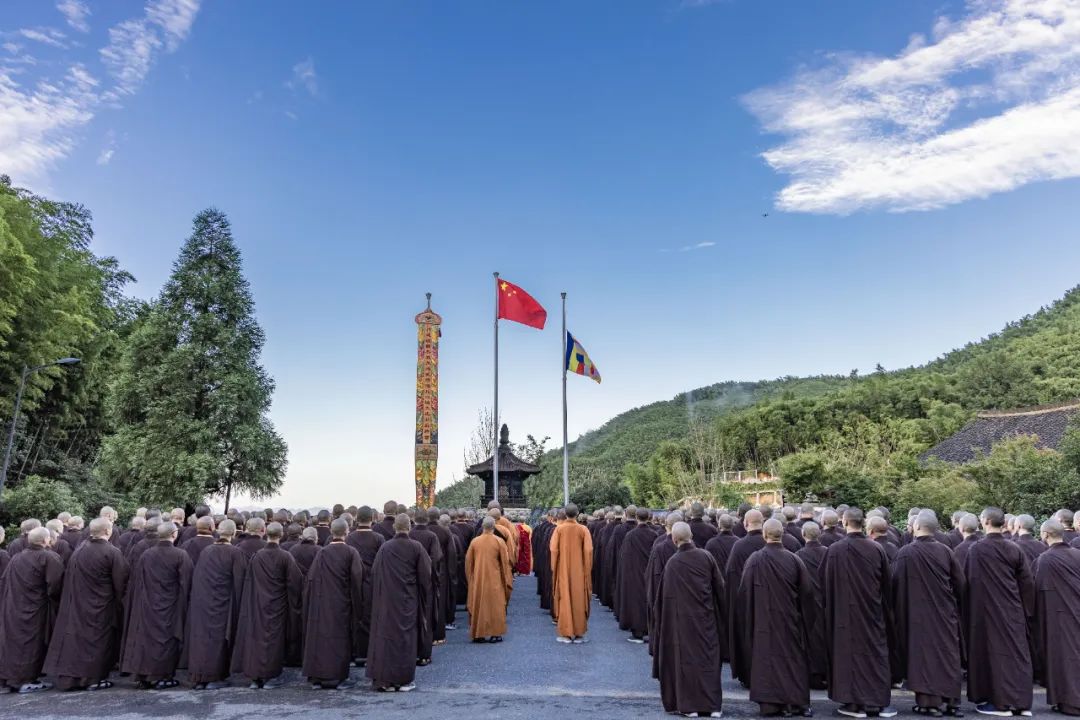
(526, 676)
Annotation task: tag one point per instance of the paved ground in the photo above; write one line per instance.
(526, 676)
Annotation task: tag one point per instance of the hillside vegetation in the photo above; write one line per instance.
(845, 438)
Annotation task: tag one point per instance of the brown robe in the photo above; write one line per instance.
(612, 552)
(85, 642)
(960, 552)
(127, 538)
(447, 573)
(30, 592)
(720, 546)
(367, 543)
(999, 603)
(304, 553)
(928, 592)
(632, 607)
(333, 605)
(268, 630)
(702, 532)
(733, 648)
(491, 581)
(603, 534)
(385, 527)
(858, 621)
(155, 619)
(830, 535)
(195, 545)
(431, 544)
(1031, 546)
(542, 561)
(777, 599)
(464, 533)
(217, 587)
(570, 552)
(1057, 582)
(890, 549)
(400, 617)
(663, 549)
(251, 545)
(813, 555)
(323, 532)
(690, 622)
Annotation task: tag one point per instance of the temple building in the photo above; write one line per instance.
(512, 474)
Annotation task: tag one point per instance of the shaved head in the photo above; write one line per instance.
(773, 530)
(680, 533)
(402, 524)
(753, 519)
(100, 528)
(810, 531)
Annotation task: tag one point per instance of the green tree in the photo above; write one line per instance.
(1019, 476)
(191, 398)
(461, 493)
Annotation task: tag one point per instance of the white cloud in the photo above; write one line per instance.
(46, 36)
(689, 248)
(134, 45)
(304, 76)
(75, 12)
(40, 120)
(36, 124)
(987, 104)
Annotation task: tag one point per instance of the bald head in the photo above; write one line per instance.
(255, 526)
(166, 531)
(772, 530)
(725, 522)
(969, 524)
(810, 531)
(876, 526)
(100, 528)
(204, 525)
(226, 529)
(1052, 532)
(1025, 524)
(753, 520)
(926, 523)
(38, 537)
(671, 519)
(488, 524)
(402, 524)
(309, 534)
(29, 524)
(830, 518)
(853, 519)
(339, 528)
(680, 533)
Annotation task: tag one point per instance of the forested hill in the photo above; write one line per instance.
(634, 435)
(858, 435)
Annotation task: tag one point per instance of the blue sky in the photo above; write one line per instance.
(917, 162)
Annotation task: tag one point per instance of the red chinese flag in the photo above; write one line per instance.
(517, 305)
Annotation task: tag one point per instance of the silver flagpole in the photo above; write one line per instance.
(565, 447)
(495, 420)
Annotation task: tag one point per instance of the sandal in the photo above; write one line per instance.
(166, 684)
(423, 662)
(100, 685)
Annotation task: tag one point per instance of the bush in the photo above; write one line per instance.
(461, 493)
(1018, 476)
(41, 498)
(943, 489)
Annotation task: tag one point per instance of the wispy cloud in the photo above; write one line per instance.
(134, 45)
(45, 35)
(304, 76)
(41, 119)
(690, 248)
(76, 13)
(988, 103)
(107, 152)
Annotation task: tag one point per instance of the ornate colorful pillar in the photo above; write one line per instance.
(428, 332)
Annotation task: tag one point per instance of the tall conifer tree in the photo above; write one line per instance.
(191, 399)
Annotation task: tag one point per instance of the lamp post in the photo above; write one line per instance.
(26, 373)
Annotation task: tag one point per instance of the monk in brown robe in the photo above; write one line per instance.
(304, 552)
(385, 527)
(269, 625)
(612, 550)
(322, 527)
(570, 551)
(447, 569)
(400, 630)
(202, 539)
(464, 531)
(778, 601)
(157, 614)
(254, 539)
(690, 621)
(85, 642)
(430, 542)
(542, 558)
(999, 602)
(214, 609)
(928, 591)
(491, 582)
(132, 535)
(737, 653)
(830, 531)
(367, 543)
(719, 546)
(858, 622)
(703, 531)
(333, 606)
(813, 555)
(878, 530)
(633, 610)
(30, 592)
(663, 549)
(1057, 582)
(1025, 538)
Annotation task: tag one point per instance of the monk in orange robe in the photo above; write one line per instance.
(571, 573)
(509, 532)
(491, 581)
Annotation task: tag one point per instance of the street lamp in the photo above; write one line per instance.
(26, 373)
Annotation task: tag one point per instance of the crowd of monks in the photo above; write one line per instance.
(250, 594)
(792, 599)
(802, 598)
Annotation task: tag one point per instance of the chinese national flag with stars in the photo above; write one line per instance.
(517, 305)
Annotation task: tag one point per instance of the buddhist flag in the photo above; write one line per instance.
(578, 361)
(517, 305)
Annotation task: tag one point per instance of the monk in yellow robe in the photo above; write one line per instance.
(490, 581)
(571, 572)
(508, 532)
